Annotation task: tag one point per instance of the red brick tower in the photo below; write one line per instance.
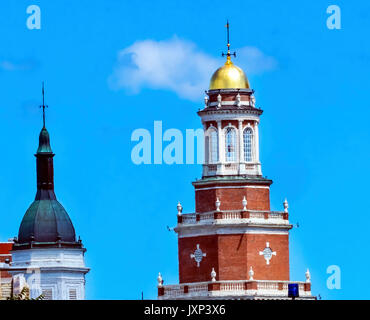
(233, 246)
(5, 276)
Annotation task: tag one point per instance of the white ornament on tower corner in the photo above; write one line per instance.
(213, 275)
(219, 100)
(251, 273)
(206, 101)
(308, 276)
(244, 203)
(286, 206)
(179, 209)
(253, 101)
(218, 203)
(160, 280)
(238, 100)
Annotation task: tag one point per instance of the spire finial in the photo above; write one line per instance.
(228, 54)
(43, 105)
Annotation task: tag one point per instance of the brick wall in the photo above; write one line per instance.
(229, 97)
(5, 248)
(231, 199)
(232, 255)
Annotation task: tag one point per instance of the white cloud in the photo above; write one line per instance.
(8, 65)
(253, 61)
(177, 65)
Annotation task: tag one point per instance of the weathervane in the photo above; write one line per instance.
(228, 54)
(43, 104)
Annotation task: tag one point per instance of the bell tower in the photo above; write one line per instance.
(46, 253)
(233, 246)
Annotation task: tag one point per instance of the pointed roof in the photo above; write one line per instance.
(46, 222)
(44, 142)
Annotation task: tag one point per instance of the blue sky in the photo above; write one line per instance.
(311, 82)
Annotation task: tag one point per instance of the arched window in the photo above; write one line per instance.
(248, 140)
(230, 145)
(213, 146)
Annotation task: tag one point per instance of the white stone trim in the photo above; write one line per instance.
(206, 230)
(232, 289)
(230, 116)
(232, 187)
(198, 255)
(230, 103)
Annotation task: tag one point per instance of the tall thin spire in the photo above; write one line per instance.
(228, 36)
(43, 105)
(228, 54)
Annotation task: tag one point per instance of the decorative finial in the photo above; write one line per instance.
(253, 101)
(228, 54)
(43, 105)
(308, 276)
(213, 275)
(179, 209)
(206, 101)
(286, 206)
(244, 203)
(251, 273)
(218, 203)
(238, 100)
(219, 100)
(160, 280)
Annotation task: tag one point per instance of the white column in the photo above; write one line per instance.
(256, 143)
(221, 147)
(257, 148)
(205, 144)
(241, 153)
(205, 162)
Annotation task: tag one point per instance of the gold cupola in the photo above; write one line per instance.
(229, 76)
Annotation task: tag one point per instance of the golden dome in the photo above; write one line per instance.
(229, 76)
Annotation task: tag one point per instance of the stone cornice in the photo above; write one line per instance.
(230, 110)
(216, 91)
(237, 180)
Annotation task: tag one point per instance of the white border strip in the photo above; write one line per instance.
(229, 230)
(232, 187)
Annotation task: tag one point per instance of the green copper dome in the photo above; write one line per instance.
(46, 222)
